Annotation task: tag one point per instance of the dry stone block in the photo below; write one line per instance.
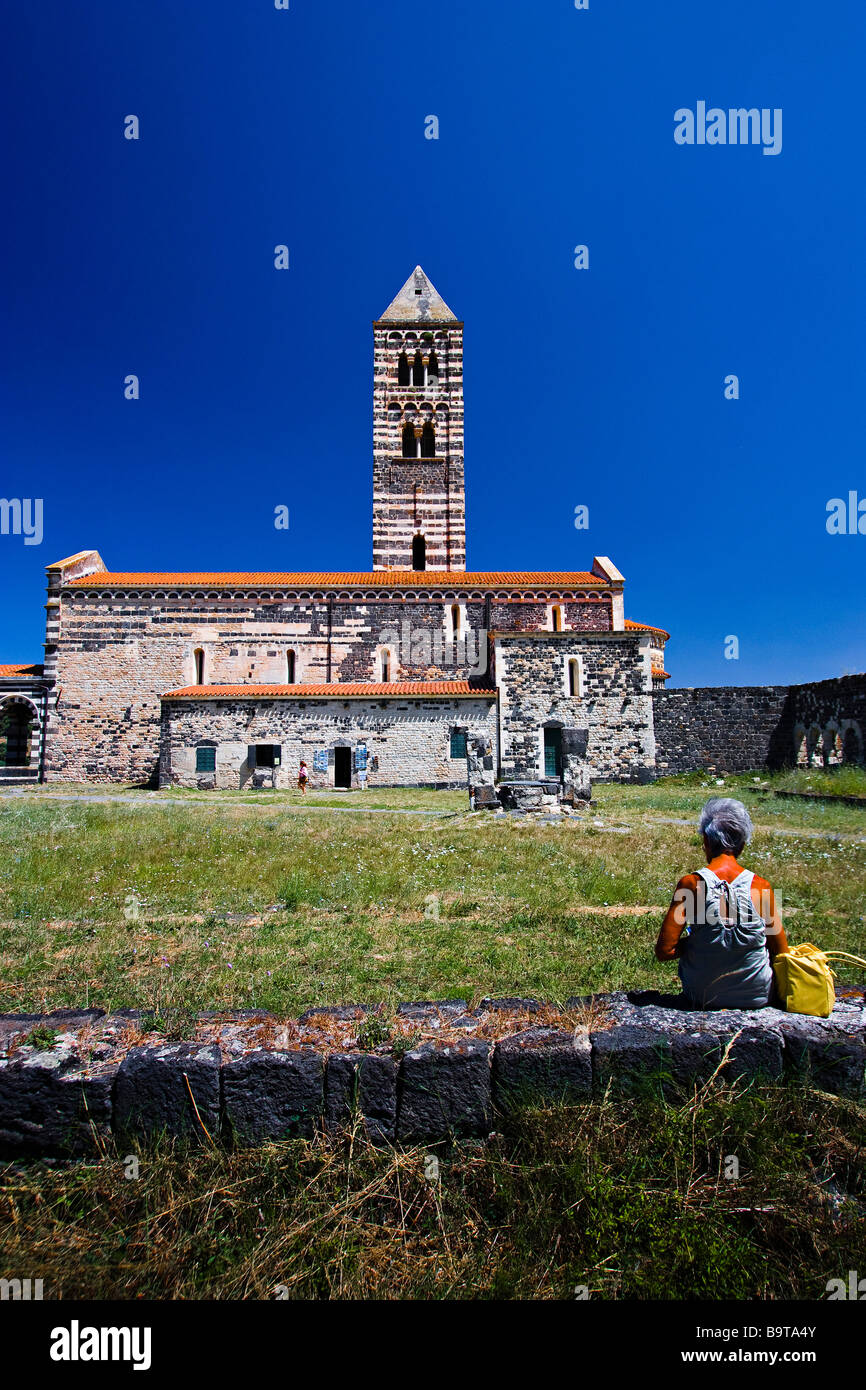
(756, 1053)
(542, 1064)
(627, 1056)
(827, 1053)
(444, 1090)
(53, 1103)
(152, 1097)
(695, 1055)
(362, 1084)
(273, 1095)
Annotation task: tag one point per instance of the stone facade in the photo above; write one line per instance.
(118, 647)
(406, 741)
(605, 726)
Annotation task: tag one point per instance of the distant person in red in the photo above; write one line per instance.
(723, 925)
(303, 777)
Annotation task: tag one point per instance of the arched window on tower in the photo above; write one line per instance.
(419, 553)
(428, 442)
(410, 444)
(404, 375)
(199, 666)
(432, 369)
(418, 370)
(290, 668)
(555, 618)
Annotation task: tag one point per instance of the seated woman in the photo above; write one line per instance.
(722, 925)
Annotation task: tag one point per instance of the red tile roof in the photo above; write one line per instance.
(645, 627)
(373, 579)
(10, 672)
(657, 671)
(349, 691)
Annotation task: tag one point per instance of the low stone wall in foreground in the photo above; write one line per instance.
(73, 1080)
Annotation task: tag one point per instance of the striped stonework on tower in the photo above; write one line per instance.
(419, 514)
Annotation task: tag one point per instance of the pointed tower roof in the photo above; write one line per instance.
(418, 302)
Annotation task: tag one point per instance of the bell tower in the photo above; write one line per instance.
(419, 507)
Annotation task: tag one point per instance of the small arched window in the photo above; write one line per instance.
(432, 369)
(385, 662)
(455, 619)
(199, 666)
(419, 553)
(418, 370)
(410, 443)
(574, 677)
(556, 618)
(428, 442)
(404, 376)
(290, 668)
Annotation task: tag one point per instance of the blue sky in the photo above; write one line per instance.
(603, 387)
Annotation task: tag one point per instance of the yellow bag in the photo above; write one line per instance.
(804, 979)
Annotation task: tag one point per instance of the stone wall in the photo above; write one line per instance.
(115, 652)
(407, 740)
(730, 728)
(250, 1078)
(735, 728)
(613, 711)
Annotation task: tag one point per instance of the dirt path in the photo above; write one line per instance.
(154, 799)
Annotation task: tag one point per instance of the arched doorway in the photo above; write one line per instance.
(851, 746)
(19, 732)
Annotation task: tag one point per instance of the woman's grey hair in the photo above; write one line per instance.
(726, 825)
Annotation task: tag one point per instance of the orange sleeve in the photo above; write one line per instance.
(667, 944)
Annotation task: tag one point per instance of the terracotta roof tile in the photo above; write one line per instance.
(657, 671)
(372, 579)
(645, 627)
(351, 690)
(10, 672)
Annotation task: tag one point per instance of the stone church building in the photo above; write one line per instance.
(416, 672)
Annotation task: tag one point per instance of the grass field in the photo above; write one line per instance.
(196, 900)
(607, 1201)
(188, 900)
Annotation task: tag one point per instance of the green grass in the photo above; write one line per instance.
(188, 900)
(847, 780)
(223, 904)
(627, 1200)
